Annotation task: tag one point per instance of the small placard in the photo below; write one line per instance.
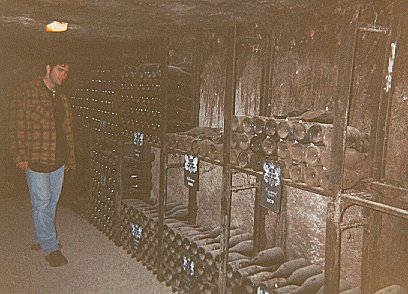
(188, 278)
(138, 138)
(136, 232)
(271, 185)
(191, 171)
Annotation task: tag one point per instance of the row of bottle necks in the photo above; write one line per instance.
(297, 130)
(303, 163)
(191, 255)
(110, 89)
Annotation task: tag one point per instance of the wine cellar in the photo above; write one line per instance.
(260, 154)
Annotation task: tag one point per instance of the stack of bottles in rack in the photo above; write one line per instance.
(180, 106)
(304, 148)
(136, 170)
(191, 256)
(104, 186)
(141, 101)
(204, 142)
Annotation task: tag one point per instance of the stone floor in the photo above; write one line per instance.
(95, 265)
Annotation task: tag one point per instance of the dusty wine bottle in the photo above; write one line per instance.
(300, 275)
(256, 143)
(296, 152)
(296, 173)
(243, 159)
(266, 257)
(312, 175)
(301, 131)
(258, 125)
(282, 148)
(312, 155)
(246, 124)
(285, 129)
(269, 146)
(311, 285)
(271, 127)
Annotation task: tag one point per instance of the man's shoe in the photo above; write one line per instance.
(35, 247)
(56, 258)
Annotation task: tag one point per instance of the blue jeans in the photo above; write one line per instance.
(45, 190)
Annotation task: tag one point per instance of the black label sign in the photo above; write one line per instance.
(191, 169)
(136, 232)
(188, 266)
(271, 185)
(138, 138)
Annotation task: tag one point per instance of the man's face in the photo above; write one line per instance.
(59, 73)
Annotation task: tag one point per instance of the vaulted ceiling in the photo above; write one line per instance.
(136, 18)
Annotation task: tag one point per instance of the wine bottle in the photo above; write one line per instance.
(203, 146)
(235, 265)
(315, 133)
(312, 175)
(301, 131)
(250, 283)
(258, 125)
(287, 289)
(234, 140)
(300, 275)
(282, 148)
(239, 274)
(246, 124)
(296, 173)
(243, 159)
(256, 161)
(296, 152)
(243, 247)
(285, 129)
(311, 284)
(351, 157)
(312, 155)
(271, 127)
(269, 146)
(232, 256)
(284, 271)
(235, 239)
(266, 257)
(354, 138)
(244, 141)
(256, 143)
(215, 152)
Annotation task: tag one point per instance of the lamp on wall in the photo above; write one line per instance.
(56, 27)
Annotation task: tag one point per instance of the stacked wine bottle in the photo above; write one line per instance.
(180, 102)
(304, 148)
(204, 142)
(141, 103)
(104, 185)
(139, 227)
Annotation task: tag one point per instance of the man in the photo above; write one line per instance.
(41, 144)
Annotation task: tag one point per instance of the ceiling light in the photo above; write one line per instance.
(56, 27)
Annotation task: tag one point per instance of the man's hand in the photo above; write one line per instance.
(23, 165)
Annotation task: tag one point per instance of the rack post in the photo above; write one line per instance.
(341, 112)
(226, 169)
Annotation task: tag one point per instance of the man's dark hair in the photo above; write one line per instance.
(55, 60)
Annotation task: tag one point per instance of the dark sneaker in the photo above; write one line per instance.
(56, 258)
(35, 247)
